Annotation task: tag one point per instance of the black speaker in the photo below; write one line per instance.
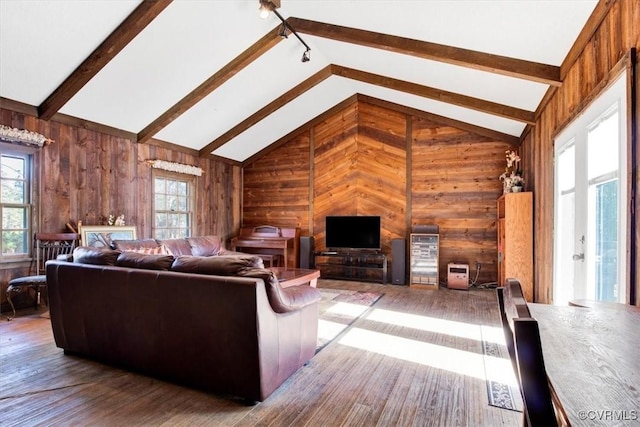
(307, 259)
(398, 261)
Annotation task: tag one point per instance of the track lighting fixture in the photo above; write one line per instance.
(283, 31)
(306, 56)
(267, 6)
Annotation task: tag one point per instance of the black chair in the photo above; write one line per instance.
(47, 246)
(522, 336)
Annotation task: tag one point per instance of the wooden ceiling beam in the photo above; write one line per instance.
(477, 104)
(212, 83)
(527, 70)
(273, 106)
(133, 25)
(488, 107)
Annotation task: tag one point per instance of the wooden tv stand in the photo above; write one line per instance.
(363, 266)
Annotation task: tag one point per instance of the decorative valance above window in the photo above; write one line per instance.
(21, 136)
(175, 167)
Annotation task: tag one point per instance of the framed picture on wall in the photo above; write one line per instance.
(101, 236)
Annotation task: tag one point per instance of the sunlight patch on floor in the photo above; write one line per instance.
(347, 309)
(441, 357)
(493, 334)
(440, 326)
(328, 330)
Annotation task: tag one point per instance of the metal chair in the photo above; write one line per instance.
(47, 246)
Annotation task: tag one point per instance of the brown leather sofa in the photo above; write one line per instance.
(199, 246)
(217, 323)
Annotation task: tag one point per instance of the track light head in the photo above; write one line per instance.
(265, 8)
(268, 6)
(283, 31)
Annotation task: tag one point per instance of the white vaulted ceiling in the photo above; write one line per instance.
(238, 110)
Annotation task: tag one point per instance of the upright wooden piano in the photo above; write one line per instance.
(269, 240)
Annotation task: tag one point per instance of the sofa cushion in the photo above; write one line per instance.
(205, 245)
(158, 250)
(97, 256)
(128, 245)
(144, 261)
(176, 247)
(217, 265)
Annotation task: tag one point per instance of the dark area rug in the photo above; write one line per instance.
(339, 309)
(502, 393)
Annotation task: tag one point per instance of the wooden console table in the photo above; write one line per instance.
(360, 266)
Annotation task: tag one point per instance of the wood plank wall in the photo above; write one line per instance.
(455, 185)
(596, 66)
(86, 175)
(373, 160)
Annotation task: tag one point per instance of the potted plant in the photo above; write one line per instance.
(517, 182)
(512, 176)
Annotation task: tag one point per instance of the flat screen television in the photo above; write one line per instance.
(352, 232)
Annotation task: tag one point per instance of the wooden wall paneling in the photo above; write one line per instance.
(635, 138)
(409, 168)
(455, 185)
(206, 208)
(124, 181)
(335, 174)
(52, 198)
(276, 187)
(36, 175)
(144, 190)
(78, 184)
(233, 187)
(106, 189)
(94, 175)
(382, 163)
(312, 174)
(65, 145)
(360, 166)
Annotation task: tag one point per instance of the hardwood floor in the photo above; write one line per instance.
(379, 372)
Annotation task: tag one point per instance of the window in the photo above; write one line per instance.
(15, 204)
(173, 199)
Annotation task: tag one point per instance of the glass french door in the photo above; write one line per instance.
(590, 203)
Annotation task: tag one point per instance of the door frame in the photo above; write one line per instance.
(617, 91)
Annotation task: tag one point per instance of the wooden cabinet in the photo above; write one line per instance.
(515, 240)
(423, 260)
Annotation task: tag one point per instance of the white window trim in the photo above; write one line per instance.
(192, 186)
(29, 154)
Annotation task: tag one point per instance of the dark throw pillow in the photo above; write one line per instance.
(96, 256)
(205, 245)
(215, 265)
(144, 261)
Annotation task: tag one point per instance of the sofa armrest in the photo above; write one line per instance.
(229, 252)
(65, 257)
(283, 300)
(294, 298)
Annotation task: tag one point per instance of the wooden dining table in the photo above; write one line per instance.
(592, 358)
